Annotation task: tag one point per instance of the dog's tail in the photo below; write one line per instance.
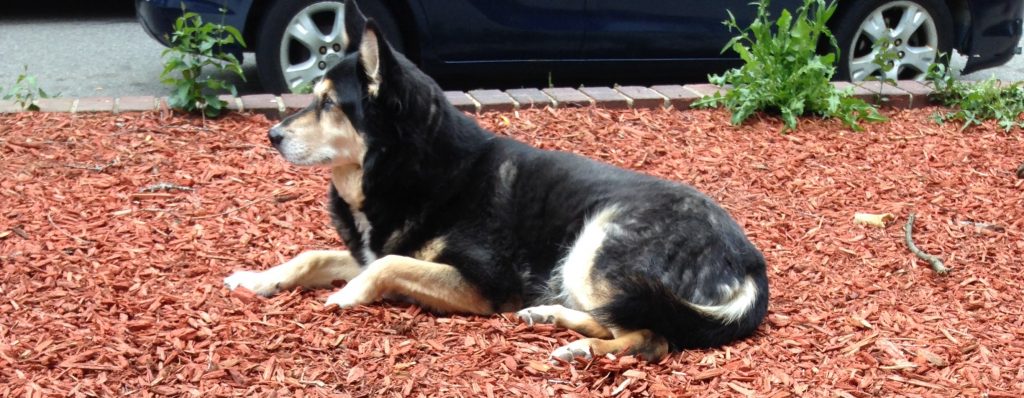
(647, 303)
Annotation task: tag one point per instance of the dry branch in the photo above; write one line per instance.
(935, 262)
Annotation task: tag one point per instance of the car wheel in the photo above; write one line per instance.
(918, 31)
(300, 39)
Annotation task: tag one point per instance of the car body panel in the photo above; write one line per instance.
(994, 34)
(541, 42)
(488, 30)
(665, 30)
(158, 16)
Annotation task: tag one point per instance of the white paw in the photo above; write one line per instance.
(258, 282)
(570, 352)
(349, 296)
(538, 315)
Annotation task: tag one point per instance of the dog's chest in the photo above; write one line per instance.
(363, 229)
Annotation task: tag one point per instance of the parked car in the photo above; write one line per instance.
(472, 43)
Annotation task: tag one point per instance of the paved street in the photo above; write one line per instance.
(103, 51)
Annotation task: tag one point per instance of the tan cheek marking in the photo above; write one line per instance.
(323, 87)
(305, 129)
(339, 132)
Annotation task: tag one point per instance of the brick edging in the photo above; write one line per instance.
(905, 94)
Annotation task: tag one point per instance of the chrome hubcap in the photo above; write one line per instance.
(912, 35)
(312, 43)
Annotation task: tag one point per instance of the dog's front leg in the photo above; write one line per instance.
(311, 269)
(438, 286)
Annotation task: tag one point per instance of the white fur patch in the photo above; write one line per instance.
(364, 227)
(262, 283)
(575, 271)
(548, 314)
(736, 306)
(569, 352)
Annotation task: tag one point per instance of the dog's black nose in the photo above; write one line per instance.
(276, 135)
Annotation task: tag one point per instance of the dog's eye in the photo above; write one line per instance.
(326, 103)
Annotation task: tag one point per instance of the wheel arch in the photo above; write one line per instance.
(959, 10)
(400, 10)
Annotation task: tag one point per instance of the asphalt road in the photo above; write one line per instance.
(82, 49)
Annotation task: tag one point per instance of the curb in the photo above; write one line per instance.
(905, 94)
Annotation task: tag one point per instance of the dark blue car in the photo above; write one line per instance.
(471, 43)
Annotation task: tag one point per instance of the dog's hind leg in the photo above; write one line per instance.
(643, 343)
(311, 269)
(579, 321)
(437, 286)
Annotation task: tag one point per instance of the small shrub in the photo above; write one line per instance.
(26, 91)
(976, 102)
(196, 45)
(884, 59)
(782, 71)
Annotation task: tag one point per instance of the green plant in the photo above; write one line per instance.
(304, 88)
(885, 59)
(26, 91)
(976, 102)
(196, 45)
(782, 71)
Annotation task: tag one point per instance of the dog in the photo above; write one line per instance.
(435, 209)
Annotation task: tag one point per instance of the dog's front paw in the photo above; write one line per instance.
(570, 352)
(349, 296)
(342, 299)
(260, 283)
(538, 315)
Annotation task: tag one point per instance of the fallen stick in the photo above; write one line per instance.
(935, 262)
(165, 186)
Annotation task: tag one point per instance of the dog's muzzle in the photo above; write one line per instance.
(276, 135)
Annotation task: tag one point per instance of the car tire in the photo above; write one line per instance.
(289, 63)
(919, 32)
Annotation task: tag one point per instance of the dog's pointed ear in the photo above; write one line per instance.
(373, 56)
(355, 22)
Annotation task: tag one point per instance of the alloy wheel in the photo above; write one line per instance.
(912, 36)
(312, 43)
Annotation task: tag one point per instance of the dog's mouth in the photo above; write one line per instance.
(295, 151)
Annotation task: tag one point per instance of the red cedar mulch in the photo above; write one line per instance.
(112, 289)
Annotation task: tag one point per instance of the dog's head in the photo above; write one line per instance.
(331, 130)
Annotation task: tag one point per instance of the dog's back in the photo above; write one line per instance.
(639, 253)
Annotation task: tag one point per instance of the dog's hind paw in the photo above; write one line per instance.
(579, 349)
(542, 314)
(257, 282)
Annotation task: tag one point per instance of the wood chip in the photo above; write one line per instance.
(124, 288)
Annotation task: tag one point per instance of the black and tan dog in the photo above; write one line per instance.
(440, 211)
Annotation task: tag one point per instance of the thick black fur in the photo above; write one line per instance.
(509, 212)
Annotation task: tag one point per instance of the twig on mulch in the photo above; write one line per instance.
(99, 168)
(77, 240)
(935, 262)
(165, 186)
(984, 225)
(224, 213)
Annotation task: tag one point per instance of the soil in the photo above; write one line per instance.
(111, 283)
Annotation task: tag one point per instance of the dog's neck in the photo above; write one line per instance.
(348, 181)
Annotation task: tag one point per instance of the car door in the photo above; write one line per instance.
(503, 30)
(665, 29)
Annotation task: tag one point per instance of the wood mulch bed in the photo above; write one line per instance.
(111, 282)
